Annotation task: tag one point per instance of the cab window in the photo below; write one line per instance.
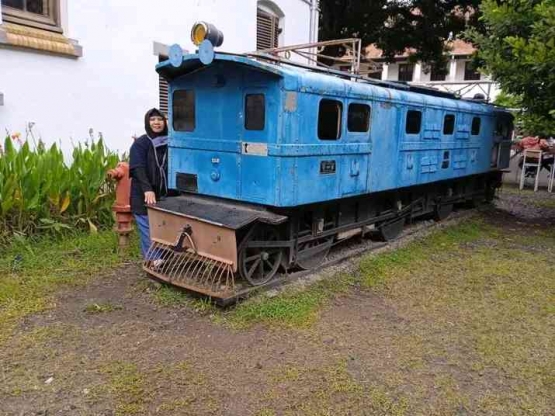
(476, 124)
(184, 110)
(414, 122)
(449, 124)
(255, 112)
(358, 118)
(329, 119)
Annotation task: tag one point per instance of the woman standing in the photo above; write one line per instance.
(148, 167)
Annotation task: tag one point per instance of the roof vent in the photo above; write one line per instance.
(479, 97)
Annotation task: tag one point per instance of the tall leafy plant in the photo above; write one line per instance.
(40, 193)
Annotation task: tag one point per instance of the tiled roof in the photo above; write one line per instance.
(457, 47)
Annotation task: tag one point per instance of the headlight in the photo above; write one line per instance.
(206, 31)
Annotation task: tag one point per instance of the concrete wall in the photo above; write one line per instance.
(114, 83)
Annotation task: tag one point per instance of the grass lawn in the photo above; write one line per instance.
(461, 322)
(30, 273)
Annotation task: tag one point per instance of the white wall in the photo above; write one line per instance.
(460, 66)
(114, 83)
(456, 74)
(392, 72)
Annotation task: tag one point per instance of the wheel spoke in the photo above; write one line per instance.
(261, 269)
(253, 267)
(270, 265)
(251, 258)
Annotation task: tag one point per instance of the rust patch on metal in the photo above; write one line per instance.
(291, 101)
(210, 241)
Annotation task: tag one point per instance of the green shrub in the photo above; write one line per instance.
(42, 194)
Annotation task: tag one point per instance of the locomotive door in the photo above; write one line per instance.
(354, 166)
(385, 147)
(257, 121)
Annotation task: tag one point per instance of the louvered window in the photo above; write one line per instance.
(405, 72)
(267, 31)
(470, 74)
(164, 88)
(163, 91)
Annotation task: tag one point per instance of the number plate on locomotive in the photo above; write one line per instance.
(327, 167)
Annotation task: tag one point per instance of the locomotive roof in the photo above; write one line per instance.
(306, 79)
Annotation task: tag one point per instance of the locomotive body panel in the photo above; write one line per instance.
(277, 162)
(282, 136)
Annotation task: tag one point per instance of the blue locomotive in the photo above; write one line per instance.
(276, 161)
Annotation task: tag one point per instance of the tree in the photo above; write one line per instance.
(352, 18)
(424, 26)
(517, 48)
(341, 19)
(420, 26)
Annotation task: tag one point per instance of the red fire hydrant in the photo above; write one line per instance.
(121, 206)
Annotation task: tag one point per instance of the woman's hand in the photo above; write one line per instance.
(150, 198)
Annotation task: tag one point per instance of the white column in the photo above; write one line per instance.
(417, 76)
(385, 72)
(451, 76)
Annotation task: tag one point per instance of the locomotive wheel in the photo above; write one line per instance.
(490, 193)
(312, 253)
(392, 230)
(441, 212)
(258, 265)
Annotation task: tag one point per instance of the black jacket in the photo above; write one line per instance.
(148, 167)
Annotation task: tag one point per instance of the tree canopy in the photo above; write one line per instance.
(421, 26)
(517, 48)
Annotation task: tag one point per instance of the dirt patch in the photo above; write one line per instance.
(456, 332)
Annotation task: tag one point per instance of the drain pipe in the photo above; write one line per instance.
(312, 35)
(314, 13)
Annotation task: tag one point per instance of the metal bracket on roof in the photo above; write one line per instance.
(312, 51)
(461, 88)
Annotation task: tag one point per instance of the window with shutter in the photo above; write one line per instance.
(406, 72)
(267, 31)
(163, 91)
(42, 14)
(470, 74)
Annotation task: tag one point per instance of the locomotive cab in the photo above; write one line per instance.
(224, 119)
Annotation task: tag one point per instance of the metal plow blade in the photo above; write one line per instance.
(190, 270)
(193, 254)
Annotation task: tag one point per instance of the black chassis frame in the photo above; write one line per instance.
(381, 209)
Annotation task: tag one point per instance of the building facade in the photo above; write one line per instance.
(458, 77)
(69, 67)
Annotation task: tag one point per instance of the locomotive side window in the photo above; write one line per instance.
(449, 124)
(414, 121)
(184, 110)
(329, 119)
(358, 118)
(255, 112)
(476, 123)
